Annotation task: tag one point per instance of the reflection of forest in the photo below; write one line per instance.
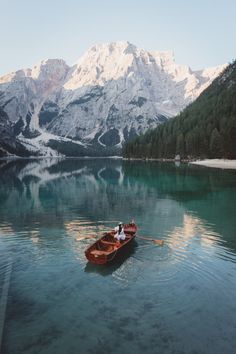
(208, 193)
(59, 190)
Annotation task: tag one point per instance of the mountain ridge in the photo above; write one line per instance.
(114, 92)
(204, 129)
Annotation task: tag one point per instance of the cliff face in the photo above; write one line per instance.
(204, 129)
(112, 94)
(9, 144)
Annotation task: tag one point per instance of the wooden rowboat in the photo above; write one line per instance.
(106, 249)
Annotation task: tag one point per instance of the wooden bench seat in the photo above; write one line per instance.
(108, 242)
(100, 252)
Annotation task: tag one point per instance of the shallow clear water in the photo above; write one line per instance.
(179, 298)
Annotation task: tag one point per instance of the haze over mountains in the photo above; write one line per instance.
(113, 93)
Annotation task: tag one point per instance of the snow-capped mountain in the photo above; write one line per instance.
(114, 92)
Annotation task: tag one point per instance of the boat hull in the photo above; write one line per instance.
(106, 249)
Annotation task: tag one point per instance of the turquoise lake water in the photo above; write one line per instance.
(179, 298)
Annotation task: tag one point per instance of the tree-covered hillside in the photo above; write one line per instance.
(206, 128)
(9, 144)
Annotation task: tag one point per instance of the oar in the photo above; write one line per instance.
(159, 242)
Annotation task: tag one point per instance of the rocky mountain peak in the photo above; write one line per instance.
(55, 69)
(114, 92)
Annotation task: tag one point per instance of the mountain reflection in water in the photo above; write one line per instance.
(151, 295)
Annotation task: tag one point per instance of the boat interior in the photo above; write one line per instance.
(108, 244)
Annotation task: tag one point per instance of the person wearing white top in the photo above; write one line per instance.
(120, 234)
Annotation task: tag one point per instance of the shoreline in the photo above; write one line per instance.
(11, 158)
(216, 163)
(211, 163)
(159, 160)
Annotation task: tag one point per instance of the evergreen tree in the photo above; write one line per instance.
(180, 145)
(216, 144)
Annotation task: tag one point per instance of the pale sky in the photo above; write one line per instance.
(201, 33)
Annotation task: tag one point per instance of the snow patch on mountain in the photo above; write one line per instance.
(114, 92)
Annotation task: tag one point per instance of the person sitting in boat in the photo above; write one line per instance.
(132, 222)
(120, 234)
